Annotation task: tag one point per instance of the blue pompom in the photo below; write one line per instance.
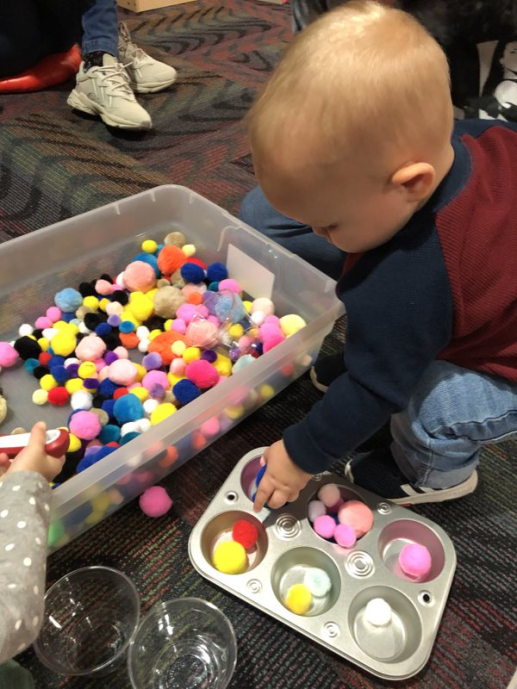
(213, 286)
(103, 329)
(30, 364)
(185, 391)
(108, 406)
(68, 300)
(127, 408)
(216, 272)
(67, 317)
(191, 272)
(150, 259)
(109, 434)
(60, 373)
(107, 388)
(56, 360)
(127, 327)
(128, 437)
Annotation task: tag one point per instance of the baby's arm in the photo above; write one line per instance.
(24, 520)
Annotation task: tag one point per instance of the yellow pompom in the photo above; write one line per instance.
(189, 250)
(154, 333)
(178, 348)
(142, 308)
(236, 331)
(74, 444)
(291, 324)
(298, 599)
(64, 343)
(60, 325)
(48, 382)
(127, 315)
(103, 304)
(229, 557)
(234, 412)
(266, 391)
(167, 325)
(141, 372)
(149, 246)
(44, 343)
(101, 502)
(91, 303)
(40, 397)
(223, 365)
(173, 379)
(162, 412)
(191, 354)
(74, 385)
(140, 392)
(87, 370)
(247, 305)
(150, 295)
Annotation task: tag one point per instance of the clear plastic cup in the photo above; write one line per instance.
(185, 643)
(90, 618)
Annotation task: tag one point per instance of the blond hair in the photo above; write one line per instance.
(362, 79)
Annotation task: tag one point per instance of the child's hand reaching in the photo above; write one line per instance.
(282, 481)
(33, 457)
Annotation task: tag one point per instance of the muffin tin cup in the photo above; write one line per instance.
(288, 547)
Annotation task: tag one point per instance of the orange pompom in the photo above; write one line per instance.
(195, 298)
(129, 340)
(170, 259)
(163, 342)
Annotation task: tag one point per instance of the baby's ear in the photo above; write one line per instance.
(415, 180)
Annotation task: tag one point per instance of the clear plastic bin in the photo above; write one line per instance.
(34, 267)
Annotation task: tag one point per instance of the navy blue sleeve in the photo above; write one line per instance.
(400, 316)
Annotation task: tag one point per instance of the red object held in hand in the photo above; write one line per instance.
(56, 445)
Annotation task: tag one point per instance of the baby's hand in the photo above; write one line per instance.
(282, 481)
(33, 457)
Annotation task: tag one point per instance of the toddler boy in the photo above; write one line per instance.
(354, 136)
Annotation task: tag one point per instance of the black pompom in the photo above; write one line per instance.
(27, 348)
(120, 296)
(87, 290)
(92, 320)
(112, 341)
(106, 277)
(40, 371)
(155, 323)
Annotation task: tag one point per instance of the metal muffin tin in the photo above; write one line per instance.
(287, 545)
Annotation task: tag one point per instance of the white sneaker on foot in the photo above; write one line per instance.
(146, 74)
(105, 91)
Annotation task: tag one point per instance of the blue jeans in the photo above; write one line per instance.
(257, 212)
(452, 413)
(100, 26)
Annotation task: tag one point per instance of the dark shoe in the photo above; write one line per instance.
(326, 369)
(378, 472)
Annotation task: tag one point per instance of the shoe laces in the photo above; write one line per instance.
(117, 79)
(130, 51)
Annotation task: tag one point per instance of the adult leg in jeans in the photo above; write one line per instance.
(453, 412)
(100, 27)
(257, 212)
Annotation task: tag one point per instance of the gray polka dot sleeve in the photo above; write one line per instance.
(24, 521)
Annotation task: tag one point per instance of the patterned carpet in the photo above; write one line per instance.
(54, 164)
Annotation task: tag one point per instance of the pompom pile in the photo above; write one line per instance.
(337, 520)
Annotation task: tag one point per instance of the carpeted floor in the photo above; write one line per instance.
(54, 164)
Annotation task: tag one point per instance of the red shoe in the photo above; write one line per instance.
(51, 70)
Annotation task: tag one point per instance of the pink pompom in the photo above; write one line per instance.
(139, 277)
(99, 364)
(90, 348)
(186, 312)
(121, 352)
(415, 560)
(272, 320)
(202, 333)
(178, 367)
(8, 355)
(43, 322)
(329, 494)
(103, 373)
(211, 427)
(155, 502)
(122, 372)
(231, 285)
(202, 374)
(213, 319)
(324, 526)
(202, 311)
(54, 313)
(85, 425)
(356, 514)
(271, 336)
(154, 378)
(103, 287)
(178, 325)
(345, 535)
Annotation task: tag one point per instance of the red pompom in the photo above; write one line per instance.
(120, 392)
(245, 533)
(44, 358)
(58, 396)
(197, 261)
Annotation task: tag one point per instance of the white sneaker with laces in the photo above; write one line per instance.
(146, 74)
(105, 91)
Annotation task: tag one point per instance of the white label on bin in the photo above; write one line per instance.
(254, 278)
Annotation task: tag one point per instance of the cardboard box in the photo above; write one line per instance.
(143, 5)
